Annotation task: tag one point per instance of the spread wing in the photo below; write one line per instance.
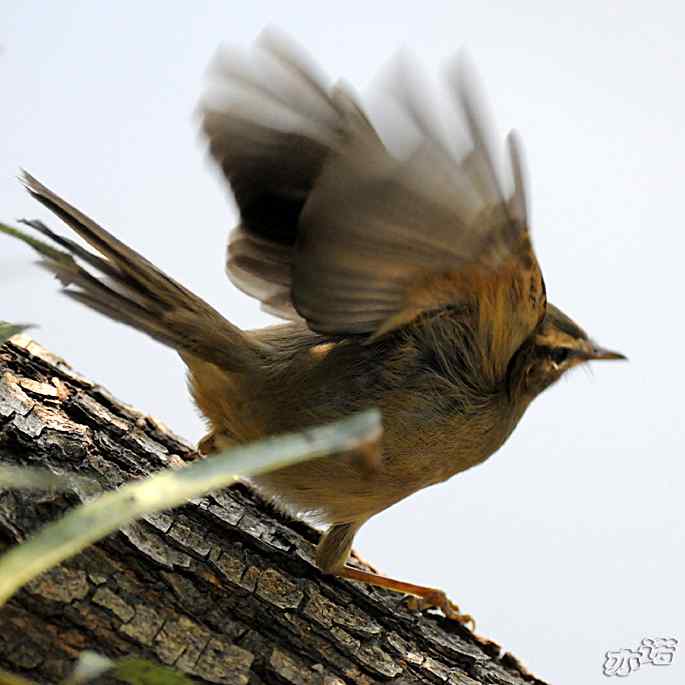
(360, 233)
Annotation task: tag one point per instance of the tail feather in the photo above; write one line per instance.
(130, 289)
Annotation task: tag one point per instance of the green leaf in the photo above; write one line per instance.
(88, 667)
(137, 671)
(132, 670)
(39, 246)
(7, 330)
(11, 679)
(113, 510)
(128, 669)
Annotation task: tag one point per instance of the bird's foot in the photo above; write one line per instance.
(364, 562)
(437, 599)
(416, 597)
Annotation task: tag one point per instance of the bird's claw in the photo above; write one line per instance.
(437, 599)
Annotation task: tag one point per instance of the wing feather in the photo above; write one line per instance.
(355, 239)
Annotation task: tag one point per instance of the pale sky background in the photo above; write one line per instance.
(569, 541)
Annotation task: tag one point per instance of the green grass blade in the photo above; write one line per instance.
(113, 510)
(7, 330)
(131, 670)
(39, 246)
(29, 478)
(7, 678)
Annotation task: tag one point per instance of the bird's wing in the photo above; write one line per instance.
(356, 237)
(271, 123)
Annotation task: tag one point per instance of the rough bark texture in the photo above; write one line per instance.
(224, 589)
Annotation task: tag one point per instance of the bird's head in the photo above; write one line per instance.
(559, 344)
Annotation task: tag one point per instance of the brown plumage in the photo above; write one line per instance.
(408, 277)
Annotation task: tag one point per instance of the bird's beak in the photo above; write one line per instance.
(597, 352)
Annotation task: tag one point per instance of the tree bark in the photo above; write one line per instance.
(224, 589)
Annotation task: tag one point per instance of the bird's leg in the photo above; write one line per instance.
(332, 554)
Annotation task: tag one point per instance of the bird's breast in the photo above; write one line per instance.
(426, 450)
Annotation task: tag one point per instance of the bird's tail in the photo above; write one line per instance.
(126, 287)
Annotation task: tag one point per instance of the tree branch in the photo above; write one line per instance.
(222, 588)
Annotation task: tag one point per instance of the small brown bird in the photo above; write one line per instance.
(403, 262)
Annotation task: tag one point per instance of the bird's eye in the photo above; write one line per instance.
(559, 355)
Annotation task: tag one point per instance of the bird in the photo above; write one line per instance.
(399, 258)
